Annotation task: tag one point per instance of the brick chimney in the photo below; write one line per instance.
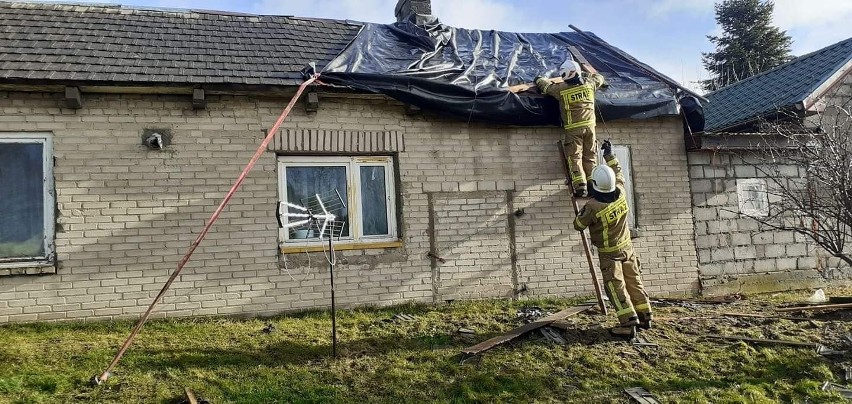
(405, 8)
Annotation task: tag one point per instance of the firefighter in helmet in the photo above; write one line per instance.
(605, 215)
(576, 96)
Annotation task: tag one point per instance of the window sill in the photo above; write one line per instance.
(27, 268)
(341, 247)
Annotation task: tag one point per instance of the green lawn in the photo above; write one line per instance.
(384, 360)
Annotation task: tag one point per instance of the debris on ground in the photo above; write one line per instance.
(695, 303)
(268, 328)
(817, 297)
(845, 392)
(561, 325)
(761, 341)
(552, 335)
(840, 299)
(466, 331)
(192, 399)
(517, 332)
(766, 317)
(815, 308)
(404, 317)
(640, 395)
(533, 313)
(826, 351)
(641, 341)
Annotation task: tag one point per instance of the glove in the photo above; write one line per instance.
(607, 148)
(537, 79)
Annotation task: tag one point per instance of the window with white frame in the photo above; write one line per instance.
(365, 183)
(26, 198)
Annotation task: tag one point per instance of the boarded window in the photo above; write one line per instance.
(753, 200)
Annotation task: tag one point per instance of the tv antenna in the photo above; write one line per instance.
(315, 219)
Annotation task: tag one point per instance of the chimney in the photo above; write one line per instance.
(405, 8)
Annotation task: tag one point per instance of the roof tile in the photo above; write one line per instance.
(776, 89)
(102, 42)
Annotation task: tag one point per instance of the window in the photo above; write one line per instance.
(26, 198)
(365, 184)
(753, 201)
(622, 153)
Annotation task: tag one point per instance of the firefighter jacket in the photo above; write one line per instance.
(607, 222)
(576, 101)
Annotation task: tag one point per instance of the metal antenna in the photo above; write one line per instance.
(319, 217)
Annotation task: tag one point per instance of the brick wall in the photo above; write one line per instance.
(126, 214)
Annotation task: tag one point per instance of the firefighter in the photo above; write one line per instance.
(576, 96)
(605, 215)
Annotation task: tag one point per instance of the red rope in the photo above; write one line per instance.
(260, 151)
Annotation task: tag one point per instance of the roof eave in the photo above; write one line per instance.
(818, 95)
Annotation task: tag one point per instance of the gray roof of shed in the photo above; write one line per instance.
(112, 43)
(777, 89)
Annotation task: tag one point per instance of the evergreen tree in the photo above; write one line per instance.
(749, 44)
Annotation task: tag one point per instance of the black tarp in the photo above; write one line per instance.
(465, 73)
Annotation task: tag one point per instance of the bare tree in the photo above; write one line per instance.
(808, 171)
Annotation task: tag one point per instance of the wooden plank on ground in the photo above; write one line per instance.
(762, 341)
(820, 307)
(517, 332)
(640, 395)
(190, 397)
(749, 315)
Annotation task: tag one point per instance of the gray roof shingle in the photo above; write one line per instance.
(776, 89)
(64, 42)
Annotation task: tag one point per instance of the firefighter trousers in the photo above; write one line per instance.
(622, 279)
(580, 151)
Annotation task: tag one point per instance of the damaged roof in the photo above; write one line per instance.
(800, 82)
(458, 72)
(114, 43)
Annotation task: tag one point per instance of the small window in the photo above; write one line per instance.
(753, 200)
(26, 199)
(365, 184)
(622, 153)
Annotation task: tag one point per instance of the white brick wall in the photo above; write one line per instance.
(126, 214)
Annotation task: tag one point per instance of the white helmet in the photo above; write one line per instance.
(569, 69)
(603, 179)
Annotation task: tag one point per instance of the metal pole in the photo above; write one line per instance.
(333, 308)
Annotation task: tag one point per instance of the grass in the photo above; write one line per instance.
(386, 360)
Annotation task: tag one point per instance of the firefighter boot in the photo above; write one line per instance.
(644, 320)
(626, 332)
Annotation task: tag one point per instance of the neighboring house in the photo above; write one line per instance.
(92, 221)
(726, 173)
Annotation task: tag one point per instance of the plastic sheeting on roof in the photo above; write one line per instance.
(465, 73)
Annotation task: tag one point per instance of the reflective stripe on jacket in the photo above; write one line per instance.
(607, 222)
(576, 102)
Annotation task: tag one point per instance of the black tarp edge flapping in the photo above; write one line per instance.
(466, 73)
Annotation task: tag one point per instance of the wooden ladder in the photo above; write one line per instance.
(586, 248)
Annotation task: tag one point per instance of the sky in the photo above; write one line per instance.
(668, 35)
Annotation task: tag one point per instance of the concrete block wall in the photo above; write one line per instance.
(127, 214)
(733, 248)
